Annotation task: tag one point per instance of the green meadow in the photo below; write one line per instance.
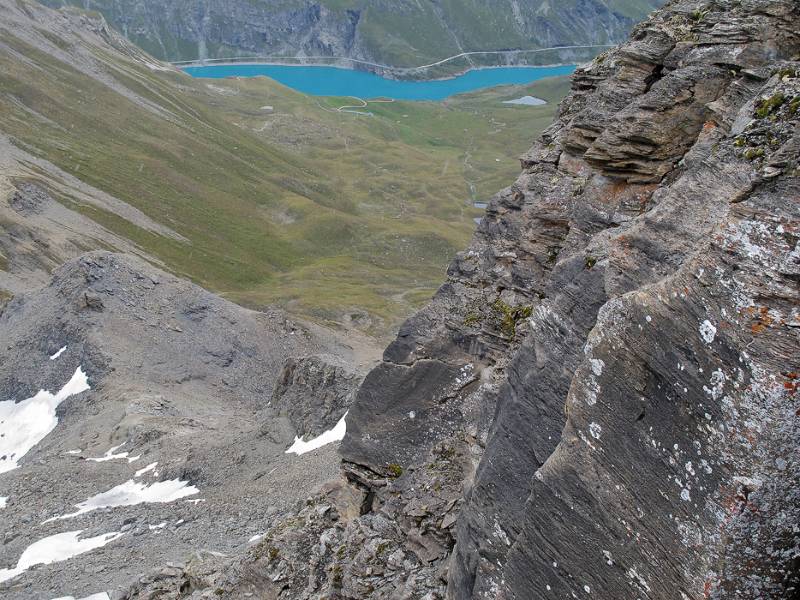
(336, 216)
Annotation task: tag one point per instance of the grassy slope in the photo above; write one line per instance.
(321, 211)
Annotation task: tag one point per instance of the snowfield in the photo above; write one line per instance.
(25, 424)
(133, 492)
(57, 548)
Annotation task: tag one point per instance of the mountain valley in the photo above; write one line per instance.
(256, 203)
(261, 344)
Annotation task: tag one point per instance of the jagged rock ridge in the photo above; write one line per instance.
(602, 399)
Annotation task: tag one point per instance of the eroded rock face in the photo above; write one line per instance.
(314, 392)
(602, 399)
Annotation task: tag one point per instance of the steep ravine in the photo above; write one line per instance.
(601, 400)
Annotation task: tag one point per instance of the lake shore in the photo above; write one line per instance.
(394, 72)
(318, 80)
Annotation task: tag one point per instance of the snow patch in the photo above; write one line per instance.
(97, 596)
(133, 492)
(526, 101)
(59, 353)
(57, 548)
(595, 430)
(146, 469)
(110, 455)
(3, 501)
(333, 435)
(25, 424)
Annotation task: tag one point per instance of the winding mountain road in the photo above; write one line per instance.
(238, 59)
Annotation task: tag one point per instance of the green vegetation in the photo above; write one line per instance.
(753, 153)
(508, 316)
(395, 470)
(698, 15)
(323, 212)
(767, 106)
(472, 319)
(5, 297)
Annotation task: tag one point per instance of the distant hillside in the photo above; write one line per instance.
(246, 187)
(400, 33)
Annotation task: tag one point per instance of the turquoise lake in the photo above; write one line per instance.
(333, 81)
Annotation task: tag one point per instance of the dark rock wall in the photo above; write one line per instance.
(646, 390)
(314, 392)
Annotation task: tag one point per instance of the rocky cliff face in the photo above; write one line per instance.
(601, 400)
(398, 33)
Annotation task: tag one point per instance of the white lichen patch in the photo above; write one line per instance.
(597, 366)
(500, 534)
(638, 579)
(717, 383)
(465, 375)
(591, 389)
(707, 331)
(585, 440)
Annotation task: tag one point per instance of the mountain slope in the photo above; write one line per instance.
(172, 436)
(601, 401)
(331, 214)
(402, 33)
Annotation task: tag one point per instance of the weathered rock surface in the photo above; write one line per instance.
(602, 399)
(314, 392)
(178, 377)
